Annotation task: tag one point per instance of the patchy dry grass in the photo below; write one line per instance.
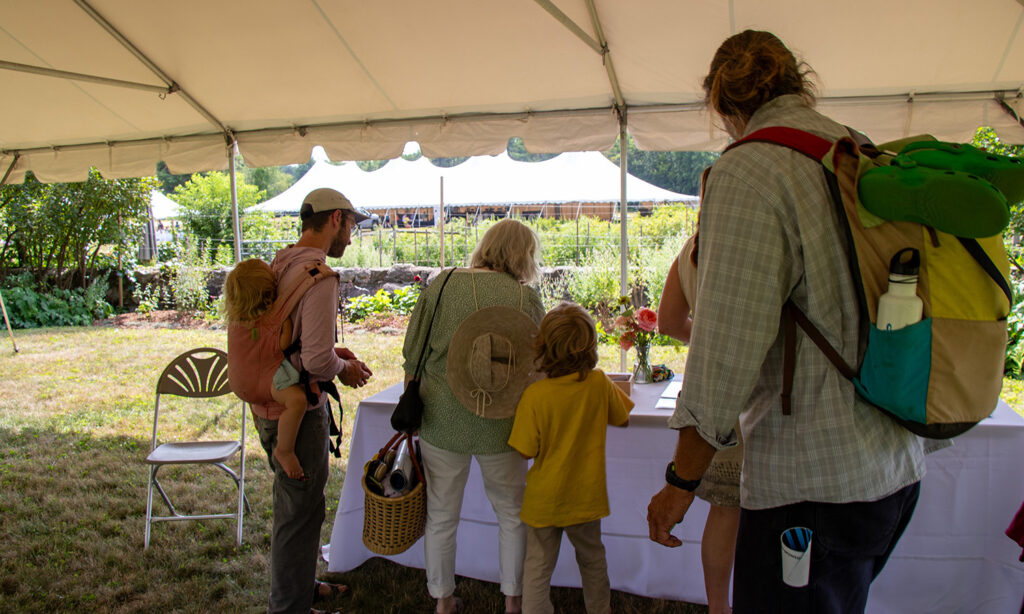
(75, 424)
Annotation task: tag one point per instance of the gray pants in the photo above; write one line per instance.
(299, 510)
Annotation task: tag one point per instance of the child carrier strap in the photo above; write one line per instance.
(288, 298)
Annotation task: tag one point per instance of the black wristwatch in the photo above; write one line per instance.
(678, 482)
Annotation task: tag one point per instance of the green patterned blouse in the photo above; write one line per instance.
(446, 424)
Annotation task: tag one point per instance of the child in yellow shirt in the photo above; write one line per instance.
(561, 422)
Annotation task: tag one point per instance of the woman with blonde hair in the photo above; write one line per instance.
(452, 435)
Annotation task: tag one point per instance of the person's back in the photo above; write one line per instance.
(561, 422)
(769, 234)
(795, 250)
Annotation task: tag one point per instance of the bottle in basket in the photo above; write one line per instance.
(401, 468)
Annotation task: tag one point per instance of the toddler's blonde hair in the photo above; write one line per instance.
(249, 290)
(567, 342)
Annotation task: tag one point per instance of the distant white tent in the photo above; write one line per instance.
(483, 180)
(163, 208)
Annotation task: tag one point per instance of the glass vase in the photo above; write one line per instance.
(642, 365)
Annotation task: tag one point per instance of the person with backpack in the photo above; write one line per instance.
(249, 292)
(834, 466)
(299, 505)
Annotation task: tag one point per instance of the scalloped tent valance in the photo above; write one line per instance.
(121, 84)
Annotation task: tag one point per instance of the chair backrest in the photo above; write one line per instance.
(197, 373)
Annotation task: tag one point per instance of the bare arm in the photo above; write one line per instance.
(673, 310)
(669, 506)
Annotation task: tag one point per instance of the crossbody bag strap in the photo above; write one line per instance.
(433, 316)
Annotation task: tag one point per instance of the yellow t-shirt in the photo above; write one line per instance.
(562, 423)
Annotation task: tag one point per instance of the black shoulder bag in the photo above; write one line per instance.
(408, 414)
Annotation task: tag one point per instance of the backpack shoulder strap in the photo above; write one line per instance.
(816, 148)
(811, 145)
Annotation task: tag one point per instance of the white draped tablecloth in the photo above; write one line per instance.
(954, 556)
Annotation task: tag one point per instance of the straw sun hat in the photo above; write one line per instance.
(490, 361)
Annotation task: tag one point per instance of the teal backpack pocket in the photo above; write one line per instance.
(895, 371)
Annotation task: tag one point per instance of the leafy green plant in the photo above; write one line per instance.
(399, 302)
(187, 275)
(31, 307)
(404, 299)
(149, 299)
(1014, 365)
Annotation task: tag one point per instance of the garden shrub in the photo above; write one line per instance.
(1014, 365)
(399, 302)
(186, 277)
(29, 306)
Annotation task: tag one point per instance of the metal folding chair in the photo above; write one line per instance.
(199, 373)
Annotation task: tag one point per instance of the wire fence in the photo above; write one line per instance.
(569, 235)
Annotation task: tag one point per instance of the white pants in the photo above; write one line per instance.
(504, 478)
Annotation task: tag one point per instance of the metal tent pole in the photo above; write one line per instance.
(623, 216)
(440, 223)
(236, 226)
(8, 323)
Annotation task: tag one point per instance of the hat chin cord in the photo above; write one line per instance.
(483, 397)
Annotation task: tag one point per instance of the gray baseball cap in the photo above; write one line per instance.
(329, 199)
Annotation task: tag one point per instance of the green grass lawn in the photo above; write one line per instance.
(75, 425)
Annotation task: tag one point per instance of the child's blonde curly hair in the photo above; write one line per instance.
(566, 342)
(249, 290)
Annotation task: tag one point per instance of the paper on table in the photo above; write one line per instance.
(672, 390)
(666, 403)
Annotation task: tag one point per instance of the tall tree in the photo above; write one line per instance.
(987, 139)
(52, 229)
(271, 180)
(517, 151)
(298, 170)
(678, 171)
(371, 165)
(448, 162)
(168, 181)
(204, 203)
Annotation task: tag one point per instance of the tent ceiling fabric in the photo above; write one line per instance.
(462, 76)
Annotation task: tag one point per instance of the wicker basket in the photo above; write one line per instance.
(393, 524)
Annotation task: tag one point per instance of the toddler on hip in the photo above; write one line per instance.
(249, 292)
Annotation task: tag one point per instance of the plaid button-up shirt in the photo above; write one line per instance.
(769, 232)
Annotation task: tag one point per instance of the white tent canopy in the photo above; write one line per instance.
(163, 208)
(121, 84)
(569, 177)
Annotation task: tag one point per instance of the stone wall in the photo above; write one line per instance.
(354, 281)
